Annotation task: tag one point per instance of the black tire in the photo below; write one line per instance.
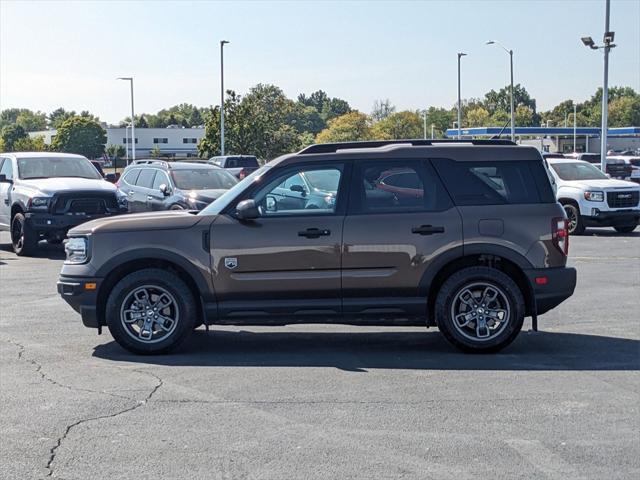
(475, 277)
(23, 238)
(54, 241)
(162, 280)
(625, 228)
(576, 225)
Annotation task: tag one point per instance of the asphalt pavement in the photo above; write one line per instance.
(325, 402)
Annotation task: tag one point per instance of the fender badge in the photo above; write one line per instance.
(231, 262)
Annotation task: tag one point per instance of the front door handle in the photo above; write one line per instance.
(314, 233)
(6, 201)
(427, 230)
(130, 193)
(149, 197)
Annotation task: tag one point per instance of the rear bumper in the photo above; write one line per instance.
(560, 284)
(73, 291)
(46, 222)
(613, 218)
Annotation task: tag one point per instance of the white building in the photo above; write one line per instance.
(172, 142)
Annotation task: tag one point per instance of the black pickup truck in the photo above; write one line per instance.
(238, 165)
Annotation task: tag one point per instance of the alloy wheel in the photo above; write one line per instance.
(149, 314)
(480, 311)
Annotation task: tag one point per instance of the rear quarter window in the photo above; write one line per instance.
(495, 182)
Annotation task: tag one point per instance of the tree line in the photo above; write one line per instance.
(266, 123)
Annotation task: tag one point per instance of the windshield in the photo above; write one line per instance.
(203, 179)
(51, 167)
(578, 171)
(325, 180)
(225, 199)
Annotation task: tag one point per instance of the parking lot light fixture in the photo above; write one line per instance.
(222, 44)
(513, 116)
(460, 55)
(133, 127)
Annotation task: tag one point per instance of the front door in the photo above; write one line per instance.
(287, 261)
(5, 192)
(156, 198)
(400, 218)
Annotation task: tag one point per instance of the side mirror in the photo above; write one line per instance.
(299, 189)
(4, 179)
(247, 210)
(165, 189)
(111, 177)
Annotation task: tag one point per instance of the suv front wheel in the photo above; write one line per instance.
(479, 309)
(150, 311)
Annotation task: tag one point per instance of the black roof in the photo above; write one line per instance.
(334, 147)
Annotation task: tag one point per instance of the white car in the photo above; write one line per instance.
(593, 199)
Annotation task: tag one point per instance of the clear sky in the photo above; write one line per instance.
(69, 53)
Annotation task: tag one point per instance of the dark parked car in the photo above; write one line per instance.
(616, 168)
(484, 246)
(43, 195)
(158, 185)
(239, 165)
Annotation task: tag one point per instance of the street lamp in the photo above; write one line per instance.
(222, 44)
(607, 45)
(460, 55)
(133, 127)
(432, 127)
(513, 118)
(424, 117)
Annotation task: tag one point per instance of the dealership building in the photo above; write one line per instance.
(172, 141)
(559, 139)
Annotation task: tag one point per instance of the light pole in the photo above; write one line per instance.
(222, 44)
(608, 45)
(432, 125)
(460, 55)
(575, 128)
(424, 117)
(133, 122)
(513, 116)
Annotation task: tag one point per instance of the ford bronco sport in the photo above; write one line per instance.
(466, 236)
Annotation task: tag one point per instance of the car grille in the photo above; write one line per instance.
(90, 204)
(623, 199)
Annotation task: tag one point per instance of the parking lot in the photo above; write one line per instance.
(325, 401)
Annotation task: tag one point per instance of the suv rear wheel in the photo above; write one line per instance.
(23, 239)
(625, 228)
(480, 309)
(150, 311)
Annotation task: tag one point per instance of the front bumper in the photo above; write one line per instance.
(557, 286)
(73, 290)
(46, 222)
(612, 218)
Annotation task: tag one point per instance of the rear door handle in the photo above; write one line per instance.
(427, 230)
(314, 232)
(130, 193)
(6, 201)
(149, 197)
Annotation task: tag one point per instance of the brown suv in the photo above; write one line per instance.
(466, 236)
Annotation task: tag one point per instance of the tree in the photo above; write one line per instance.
(305, 119)
(141, 122)
(352, 126)
(624, 111)
(155, 152)
(116, 151)
(398, 126)
(441, 119)
(27, 119)
(11, 134)
(525, 116)
(30, 144)
(80, 135)
(58, 116)
(477, 117)
(382, 109)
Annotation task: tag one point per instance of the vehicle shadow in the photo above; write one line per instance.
(44, 250)
(539, 351)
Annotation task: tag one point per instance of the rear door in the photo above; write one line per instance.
(142, 190)
(287, 261)
(400, 219)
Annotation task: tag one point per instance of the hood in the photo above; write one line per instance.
(602, 184)
(206, 196)
(166, 220)
(50, 186)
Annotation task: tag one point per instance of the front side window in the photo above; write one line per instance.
(54, 167)
(7, 169)
(302, 191)
(160, 179)
(397, 186)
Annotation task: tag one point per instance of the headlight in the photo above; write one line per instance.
(594, 196)
(39, 203)
(77, 250)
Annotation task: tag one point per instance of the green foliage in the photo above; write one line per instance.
(116, 151)
(58, 117)
(27, 119)
(441, 118)
(624, 111)
(477, 117)
(30, 144)
(80, 135)
(398, 126)
(352, 126)
(155, 152)
(11, 134)
(327, 107)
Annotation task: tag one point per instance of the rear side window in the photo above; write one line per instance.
(145, 179)
(495, 183)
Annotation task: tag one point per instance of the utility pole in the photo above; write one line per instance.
(222, 44)
(460, 55)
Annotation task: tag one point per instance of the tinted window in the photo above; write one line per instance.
(495, 183)
(578, 171)
(6, 168)
(161, 178)
(131, 176)
(145, 179)
(397, 186)
(203, 179)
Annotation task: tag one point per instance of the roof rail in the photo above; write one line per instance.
(192, 160)
(151, 162)
(334, 147)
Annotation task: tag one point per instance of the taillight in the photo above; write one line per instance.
(560, 234)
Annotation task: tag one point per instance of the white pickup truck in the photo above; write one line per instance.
(592, 199)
